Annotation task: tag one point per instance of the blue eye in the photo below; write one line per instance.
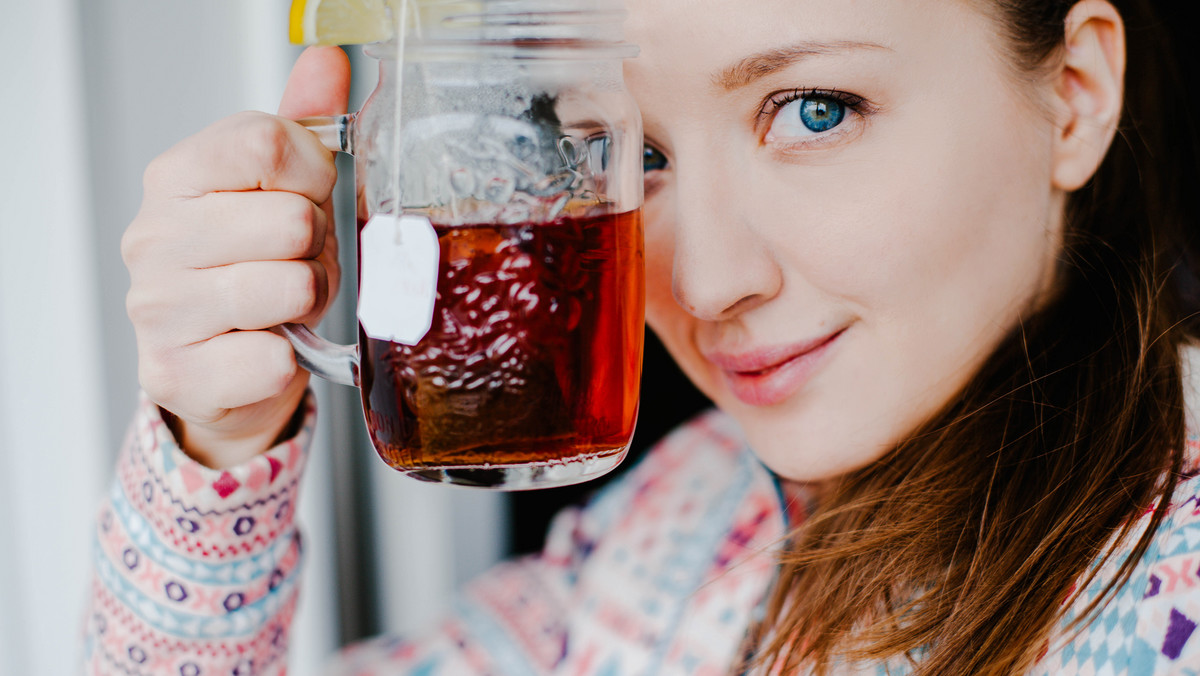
(799, 116)
(653, 159)
(820, 114)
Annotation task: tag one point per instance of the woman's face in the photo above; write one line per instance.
(848, 204)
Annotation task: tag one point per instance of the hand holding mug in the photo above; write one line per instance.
(235, 236)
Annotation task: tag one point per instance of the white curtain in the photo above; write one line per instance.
(50, 357)
(90, 91)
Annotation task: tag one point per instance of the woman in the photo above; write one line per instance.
(897, 246)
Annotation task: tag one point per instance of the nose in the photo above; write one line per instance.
(722, 266)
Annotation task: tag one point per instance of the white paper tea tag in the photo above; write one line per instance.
(398, 277)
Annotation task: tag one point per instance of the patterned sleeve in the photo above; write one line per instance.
(194, 569)
(659, 573)
(1167, 641)
(1149, 626)
(195, 574)
(514, 620)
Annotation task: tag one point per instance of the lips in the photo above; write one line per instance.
(769, 375)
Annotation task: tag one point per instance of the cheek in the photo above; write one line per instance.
(663, 314)
(934, 248)
(971, 240)
(936, 215)
(660, 254)
(669, 321)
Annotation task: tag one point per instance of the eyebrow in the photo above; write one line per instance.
(760, 65)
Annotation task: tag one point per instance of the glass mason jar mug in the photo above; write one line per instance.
(498, 171)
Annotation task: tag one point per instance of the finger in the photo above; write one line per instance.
(246, 151)
(192, 306)
(261, 294)
(329, 257)
(234, 227)
(234, 370)
(319, 84)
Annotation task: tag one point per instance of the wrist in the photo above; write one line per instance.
(219, 447)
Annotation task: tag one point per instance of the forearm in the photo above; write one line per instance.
(195, 570)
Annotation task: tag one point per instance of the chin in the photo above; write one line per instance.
(804, 451)
(805, 466)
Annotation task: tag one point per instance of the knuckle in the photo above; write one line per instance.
(267, 143)
(138, 307)
(143, 240)
(299, 227)
(304, 290)
(223, 295)
(158, 376)
(247, 116)
(148, 305)
(154, 177)
(133, 245)
(280, 364)
(229, 288)
(328, 178)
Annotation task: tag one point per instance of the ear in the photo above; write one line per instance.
(1088, 91)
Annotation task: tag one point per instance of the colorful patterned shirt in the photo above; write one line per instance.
(660, 574)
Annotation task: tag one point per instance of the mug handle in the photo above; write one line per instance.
(321, 357)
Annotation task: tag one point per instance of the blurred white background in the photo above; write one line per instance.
(90, 91)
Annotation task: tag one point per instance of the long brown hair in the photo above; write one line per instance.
(963, 547)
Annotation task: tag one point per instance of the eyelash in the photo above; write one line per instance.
(777, 101)
(780, 99)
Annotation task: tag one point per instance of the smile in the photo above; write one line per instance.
(769, 376)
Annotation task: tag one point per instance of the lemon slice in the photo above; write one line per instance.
(339, 22)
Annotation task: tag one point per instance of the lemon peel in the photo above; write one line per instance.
(339, 22)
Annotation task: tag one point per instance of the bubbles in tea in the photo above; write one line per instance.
(533, 356)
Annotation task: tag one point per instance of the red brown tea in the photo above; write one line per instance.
(533, 356)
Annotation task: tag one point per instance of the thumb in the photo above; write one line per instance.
(319, 84)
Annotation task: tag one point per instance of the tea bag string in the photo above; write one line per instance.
(401, 21)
